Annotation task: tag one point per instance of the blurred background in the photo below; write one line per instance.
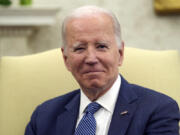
(32, 26)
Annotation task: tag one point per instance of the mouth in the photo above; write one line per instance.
(92, 71)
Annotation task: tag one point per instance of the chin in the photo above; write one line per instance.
(95, 85)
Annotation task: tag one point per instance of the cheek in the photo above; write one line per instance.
(74, 63)
(112, 65)
(68, 66)
(113, 59)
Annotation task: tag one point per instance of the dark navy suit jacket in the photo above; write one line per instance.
(138, 111)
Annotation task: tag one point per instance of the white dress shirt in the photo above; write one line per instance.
(103, 115)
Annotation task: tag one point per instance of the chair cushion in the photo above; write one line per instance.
(27, 81)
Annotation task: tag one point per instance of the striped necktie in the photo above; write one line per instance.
(87, 125)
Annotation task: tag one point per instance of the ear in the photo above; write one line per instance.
(121, 53)
(65, 58)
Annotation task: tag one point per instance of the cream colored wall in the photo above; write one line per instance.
(141, 27)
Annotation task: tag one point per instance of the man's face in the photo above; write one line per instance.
(91, 53)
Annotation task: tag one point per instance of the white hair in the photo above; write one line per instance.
(91, 10)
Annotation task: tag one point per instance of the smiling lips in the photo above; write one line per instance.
(92, 71)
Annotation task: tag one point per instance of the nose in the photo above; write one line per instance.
(91, 56)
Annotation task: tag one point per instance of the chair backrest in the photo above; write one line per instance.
(27, 81)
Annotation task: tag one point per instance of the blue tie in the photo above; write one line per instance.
(87, 125)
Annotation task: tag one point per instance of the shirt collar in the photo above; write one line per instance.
(107, 101)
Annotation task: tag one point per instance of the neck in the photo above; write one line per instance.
(93, 94)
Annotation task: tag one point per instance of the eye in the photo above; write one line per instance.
(78, 49)
(102, 46)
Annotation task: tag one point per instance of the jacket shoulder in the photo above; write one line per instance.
(152, 96)
(58, 103)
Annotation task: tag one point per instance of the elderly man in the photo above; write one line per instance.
(106, 103)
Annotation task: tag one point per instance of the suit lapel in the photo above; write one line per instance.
(124, 109)
(67, 120)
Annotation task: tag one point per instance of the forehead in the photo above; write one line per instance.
(90, 23)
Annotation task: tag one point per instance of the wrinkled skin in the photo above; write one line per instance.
(92, 54)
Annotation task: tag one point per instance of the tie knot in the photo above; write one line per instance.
(92, 108)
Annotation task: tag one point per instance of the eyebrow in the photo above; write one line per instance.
(102, 42)
(76, 44)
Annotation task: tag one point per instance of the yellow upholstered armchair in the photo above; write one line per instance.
(27, 81)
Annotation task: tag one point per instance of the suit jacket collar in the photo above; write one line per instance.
(123, 113)
(124, 109)
(66, 122)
